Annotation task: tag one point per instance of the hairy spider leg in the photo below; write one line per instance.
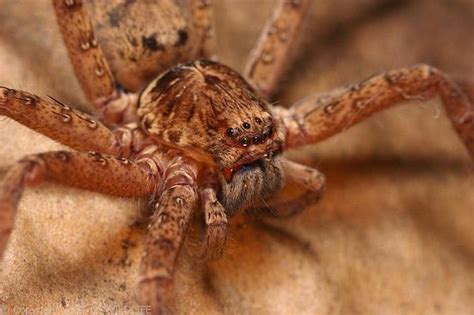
(303, 185)
(203, 12)
(318, 117)
(166, 233)
(58, 121)
(216, 225)
(90, 66)
(271, 56)
(92, 171)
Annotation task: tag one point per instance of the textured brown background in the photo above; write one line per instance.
(393, 234)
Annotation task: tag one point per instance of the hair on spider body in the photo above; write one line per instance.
(252, 185)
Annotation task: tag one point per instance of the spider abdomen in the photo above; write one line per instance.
(136, 49)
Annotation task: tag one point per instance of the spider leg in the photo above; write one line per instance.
(166, 235)
(318, 117)
(58, 121)
(91, 171)
(90, 65)
(303, 185)
(203, 13)
(269, 58)
(216, 225)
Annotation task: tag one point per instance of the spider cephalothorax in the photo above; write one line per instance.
(199, 136)
(212, 113)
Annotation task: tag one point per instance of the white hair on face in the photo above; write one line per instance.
(252, 185)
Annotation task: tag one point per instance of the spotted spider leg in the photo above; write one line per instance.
(58, 121)
(78, 131)
(92, 171)
(216, 225)
(215, 217)
(166, 233)
(269, 59)
(320, 116)
(204, 19)
(90, 65)
(303, 185)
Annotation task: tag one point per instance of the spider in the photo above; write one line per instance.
(188, 132)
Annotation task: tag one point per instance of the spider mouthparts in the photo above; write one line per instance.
(228, 173)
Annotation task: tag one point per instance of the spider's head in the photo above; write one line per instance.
(210, 111)
(241, 129)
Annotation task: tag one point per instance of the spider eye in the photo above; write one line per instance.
(268, 132)
(245, 141)
(257, 139)
(246, 125)
(231, 132)
(258, 120)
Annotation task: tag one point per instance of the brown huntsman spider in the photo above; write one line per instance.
(190, 133)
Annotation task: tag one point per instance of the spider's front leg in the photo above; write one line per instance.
(91, 171)
(318, 117)
(58, 121)
(90, 66)
(203, 11)
(270, 57)
(166, 235)
(216, 224)
(215, 217)
(303, 185)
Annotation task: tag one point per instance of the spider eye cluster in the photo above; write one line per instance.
(246, 140)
